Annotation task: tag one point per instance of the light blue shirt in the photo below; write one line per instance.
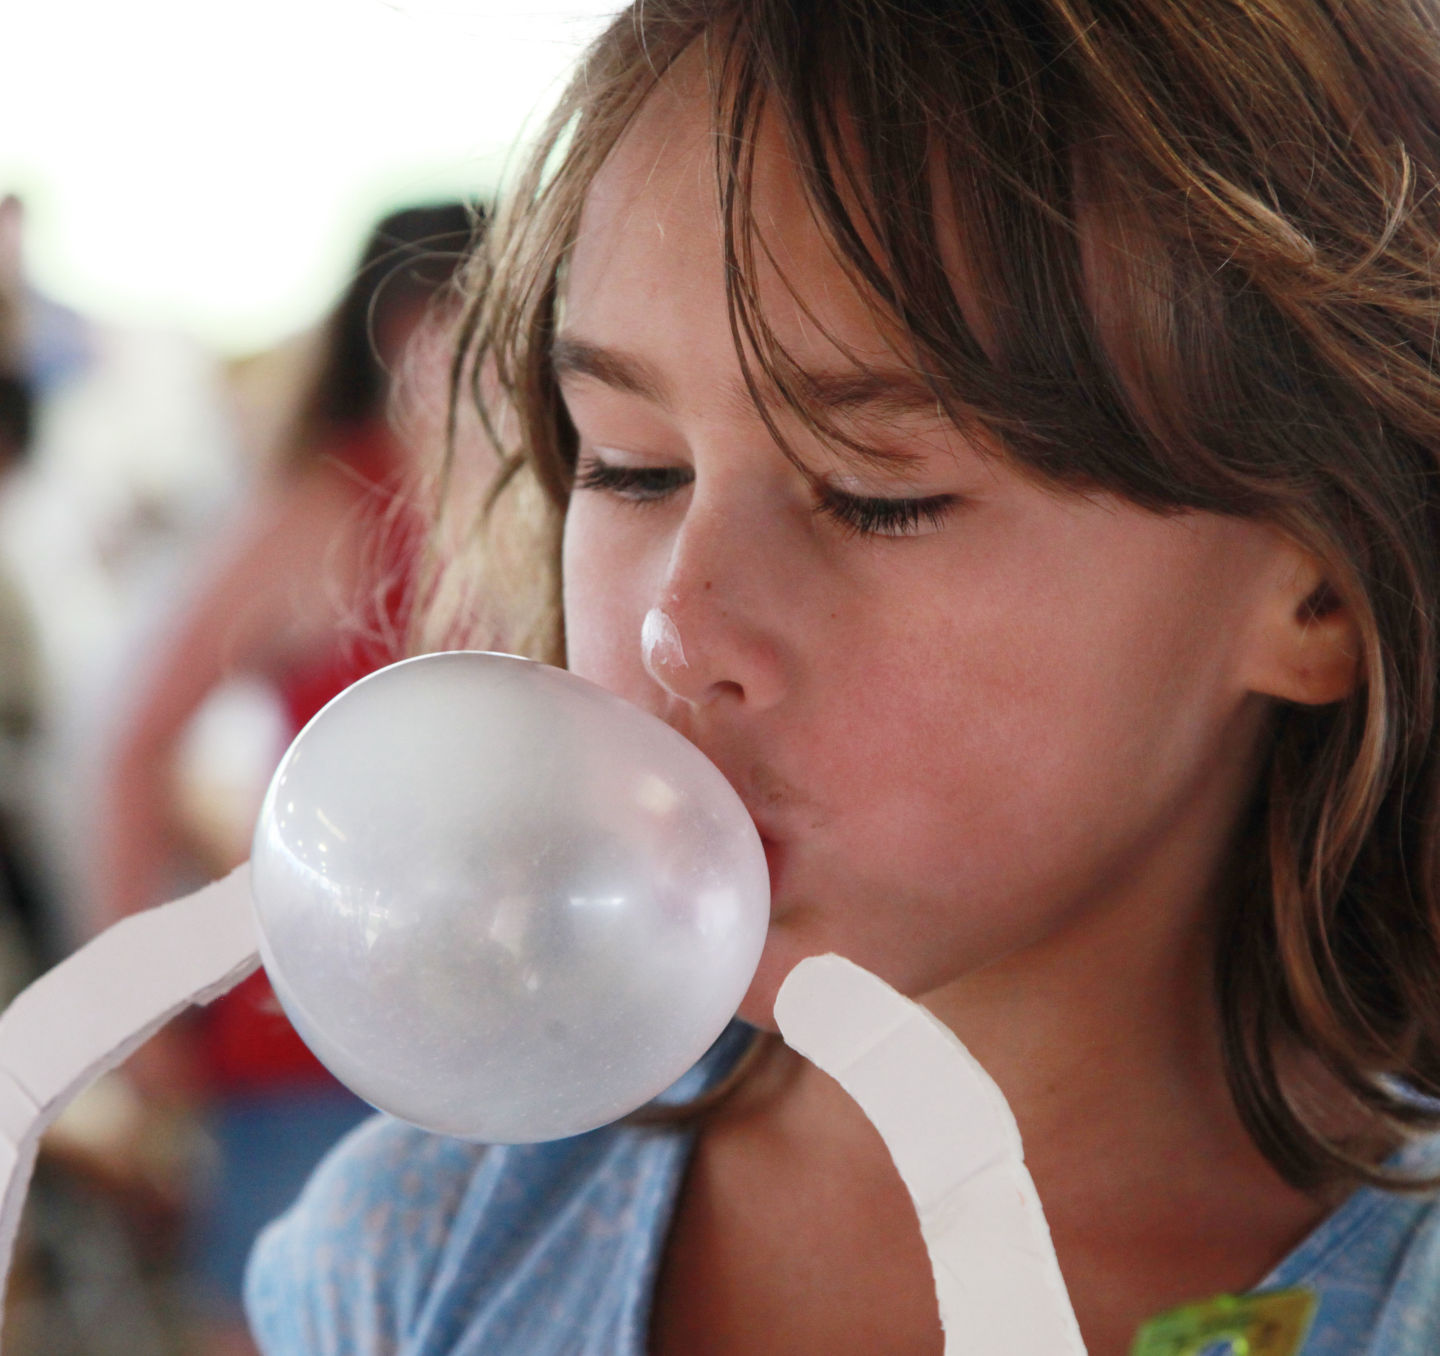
(1375, 1266)
(408, 1244)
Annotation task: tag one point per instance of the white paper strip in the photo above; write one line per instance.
(957, 1148)
(84, 1017)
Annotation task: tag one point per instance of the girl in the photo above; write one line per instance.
(1011, 429)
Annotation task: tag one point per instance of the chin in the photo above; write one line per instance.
(781, 955)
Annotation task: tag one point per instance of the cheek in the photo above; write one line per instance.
(603, 599)
(994, 730)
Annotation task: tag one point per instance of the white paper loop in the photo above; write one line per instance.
(957, 1148)
(87, 1015)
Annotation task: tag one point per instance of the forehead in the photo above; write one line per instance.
(651, 238)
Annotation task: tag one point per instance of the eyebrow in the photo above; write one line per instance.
(873, 392)
(572, 357)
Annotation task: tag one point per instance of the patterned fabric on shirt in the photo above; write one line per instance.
(407, 1244)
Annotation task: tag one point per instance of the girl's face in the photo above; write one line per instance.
(975, 718)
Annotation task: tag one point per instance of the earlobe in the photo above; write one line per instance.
(1308, 649)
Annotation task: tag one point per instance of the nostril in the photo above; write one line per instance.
(661, 648)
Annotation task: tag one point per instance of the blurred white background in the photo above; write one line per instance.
(195, 179)
(212, 165)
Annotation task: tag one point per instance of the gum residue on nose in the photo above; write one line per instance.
(660, 644)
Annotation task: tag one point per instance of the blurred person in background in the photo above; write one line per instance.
(307, 592)
(134, 453)
(89, 1271)
(24, 922)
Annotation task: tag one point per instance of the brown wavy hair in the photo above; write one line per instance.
(1199, 244)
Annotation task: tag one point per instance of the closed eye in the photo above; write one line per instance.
(860, 515)
(639, 484)
(864, 515)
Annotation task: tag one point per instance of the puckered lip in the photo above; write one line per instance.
(770, 823)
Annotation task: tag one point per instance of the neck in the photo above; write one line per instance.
(1100, 1064)
(1154, 1193)
(1106, 1043)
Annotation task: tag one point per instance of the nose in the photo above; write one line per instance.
(712, 634)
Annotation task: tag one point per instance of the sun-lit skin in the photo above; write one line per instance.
(997, 743)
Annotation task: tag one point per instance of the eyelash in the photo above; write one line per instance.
(639, 484)
(872, 517)
(861, 516)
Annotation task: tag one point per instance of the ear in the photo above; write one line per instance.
(1306, 642)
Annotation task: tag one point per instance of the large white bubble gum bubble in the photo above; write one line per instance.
(502, 903)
